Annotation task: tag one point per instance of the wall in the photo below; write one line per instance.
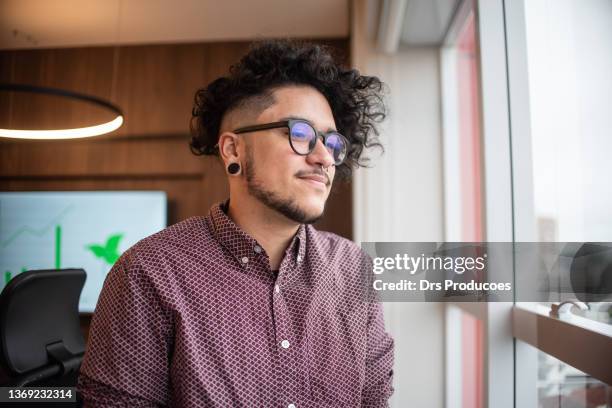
(401, 198)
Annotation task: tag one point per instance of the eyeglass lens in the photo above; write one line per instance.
(304, 139)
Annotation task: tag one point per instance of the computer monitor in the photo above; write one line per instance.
(89, 230)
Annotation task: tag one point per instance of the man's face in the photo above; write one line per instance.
(296, 186)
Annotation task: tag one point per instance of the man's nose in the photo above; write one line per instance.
(320, 154)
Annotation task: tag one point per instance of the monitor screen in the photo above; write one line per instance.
(89, 230)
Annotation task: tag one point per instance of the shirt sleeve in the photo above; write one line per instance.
(379, 361)
(127, 358)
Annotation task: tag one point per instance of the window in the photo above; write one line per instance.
(560, 92)
(545, 120)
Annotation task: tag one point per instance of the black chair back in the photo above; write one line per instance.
(40, 333)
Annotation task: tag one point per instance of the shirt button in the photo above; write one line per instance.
(276, 288)
(257, 249)
(291, 406)
(285, 343)
(299, 258)
(245, 259)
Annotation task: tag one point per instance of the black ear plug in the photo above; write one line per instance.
(233, 168)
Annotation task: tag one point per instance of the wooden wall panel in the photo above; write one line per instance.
(121, 157)
(156, 106)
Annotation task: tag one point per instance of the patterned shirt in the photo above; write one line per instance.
(193, 316)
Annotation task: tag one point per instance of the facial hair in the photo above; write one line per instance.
(286, 206)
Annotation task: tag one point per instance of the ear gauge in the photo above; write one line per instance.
(233, 168)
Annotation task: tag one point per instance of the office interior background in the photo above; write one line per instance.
(500, 115)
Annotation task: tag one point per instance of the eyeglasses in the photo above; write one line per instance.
(303, 137)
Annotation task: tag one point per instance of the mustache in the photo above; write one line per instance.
(319, 172)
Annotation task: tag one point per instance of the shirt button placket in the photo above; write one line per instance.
(286, 368)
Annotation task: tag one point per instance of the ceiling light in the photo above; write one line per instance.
(73, 133)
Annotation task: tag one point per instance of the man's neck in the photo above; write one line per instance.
(271, 229)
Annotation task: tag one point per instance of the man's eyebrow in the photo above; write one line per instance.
(306, 120)
(295, 118)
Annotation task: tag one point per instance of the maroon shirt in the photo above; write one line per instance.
(193, 316)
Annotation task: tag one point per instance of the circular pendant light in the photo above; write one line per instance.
(74, 133)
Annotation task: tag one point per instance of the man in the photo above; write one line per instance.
(251, 306)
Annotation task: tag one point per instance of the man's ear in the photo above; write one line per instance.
(228, 147)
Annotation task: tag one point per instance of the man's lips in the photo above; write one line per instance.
(315, 177)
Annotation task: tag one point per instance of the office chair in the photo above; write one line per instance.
(41, 343)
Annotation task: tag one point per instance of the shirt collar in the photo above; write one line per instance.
(241, 245)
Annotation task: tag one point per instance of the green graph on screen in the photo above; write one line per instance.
(39, 232)
(57, 247)
(109, 252)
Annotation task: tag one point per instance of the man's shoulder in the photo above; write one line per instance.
(175, 238)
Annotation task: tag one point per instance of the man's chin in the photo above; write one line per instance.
(312, 209)
(303, 214)
(312, 217)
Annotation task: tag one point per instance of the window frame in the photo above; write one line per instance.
(498, 342)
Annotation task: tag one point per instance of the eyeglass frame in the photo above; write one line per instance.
(288, 123)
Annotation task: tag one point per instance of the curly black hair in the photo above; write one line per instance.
(356, 100)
